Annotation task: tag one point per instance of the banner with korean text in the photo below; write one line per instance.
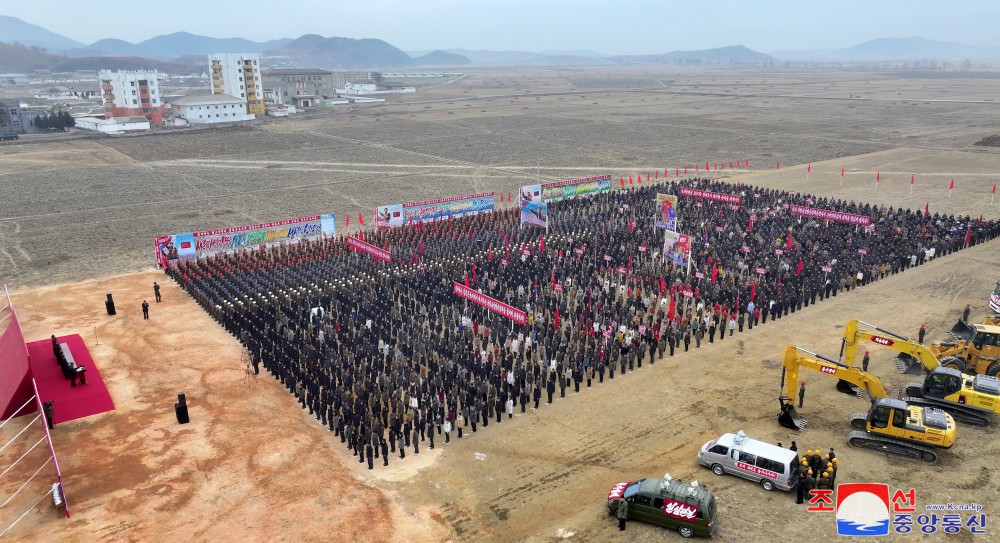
(491, 304)
(380, 254)
(396, 215)
(572, 188)
(829, 215)
(734, 199)
(171, 248)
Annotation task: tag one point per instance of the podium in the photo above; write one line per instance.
(109, 304)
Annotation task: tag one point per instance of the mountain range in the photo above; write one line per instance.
(42, 49)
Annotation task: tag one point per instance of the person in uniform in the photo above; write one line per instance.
(145, 310)
(864, 362)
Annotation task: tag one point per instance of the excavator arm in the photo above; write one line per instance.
(855, 334)
(796, 359)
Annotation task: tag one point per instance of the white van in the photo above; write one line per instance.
(768, 465)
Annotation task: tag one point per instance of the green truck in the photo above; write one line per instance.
(688, 508)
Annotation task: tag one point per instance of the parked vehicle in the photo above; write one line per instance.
(667, 502)
(8, 136)
(768, 465)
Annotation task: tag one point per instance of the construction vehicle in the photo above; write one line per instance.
(974, 349)
(890, 425)
(970, 399)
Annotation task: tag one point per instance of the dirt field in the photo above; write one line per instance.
(252, 466)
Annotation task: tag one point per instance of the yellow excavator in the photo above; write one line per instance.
(970, 399)
(890, 425)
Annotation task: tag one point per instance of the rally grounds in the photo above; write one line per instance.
(78, 218)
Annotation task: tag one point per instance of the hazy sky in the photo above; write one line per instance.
(606, 26)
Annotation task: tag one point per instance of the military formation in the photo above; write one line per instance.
(392, 362)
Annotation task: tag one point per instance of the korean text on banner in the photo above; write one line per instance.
(572, 188)
(495, 306)
(396, 215)
(380, 254)
(734, 199)
(830, 215)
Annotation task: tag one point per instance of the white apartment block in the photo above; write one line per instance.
(210, 109)
(238, 75)
(131, 93)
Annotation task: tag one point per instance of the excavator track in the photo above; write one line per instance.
(875, 442)
(964, 415)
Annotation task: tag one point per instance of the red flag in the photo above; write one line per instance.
(746, 164)
(994, 188)
(630, 180)
(788, 243)
(927, 209)
(980, 219)
(621, 181)
(753, 291)
(647, 177)
(778, 167)
(706, 166)
(509, 199)
(663, 285)
(489, 255)
(631, 225)
(952, 185)
(809, 167)
(685, 170)
(670, 312)
(968, 235)
(696, 170)
(501, 197)
(639, 178)
(878, 176)
(347, 221)
(715, 271)
(798, 269)
(841, 171)
(466, 280)
(421, 248)
(541, 244)
(657, 175)
(750, 225)
(361, 219)
(473, 271)
(912, 178)
(730, 164)
(630, 261)
(557, 318)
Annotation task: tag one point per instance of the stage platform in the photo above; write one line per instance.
(71, 402)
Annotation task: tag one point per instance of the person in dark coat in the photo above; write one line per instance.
(145, 310)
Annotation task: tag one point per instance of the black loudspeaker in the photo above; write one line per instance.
(181, 399)
(110, 306)
(182, 413)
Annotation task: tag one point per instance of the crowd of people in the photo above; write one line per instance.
(390, 359)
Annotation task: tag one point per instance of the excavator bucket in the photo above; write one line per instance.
(961, 330)
(908, 364)
(845, 387)
(789, 418)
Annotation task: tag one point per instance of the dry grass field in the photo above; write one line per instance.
(253, 467)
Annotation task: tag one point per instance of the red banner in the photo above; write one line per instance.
(707, 195)
(380, 254)
(829, 215)
(495, 306)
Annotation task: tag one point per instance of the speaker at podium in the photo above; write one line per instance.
(110, 306)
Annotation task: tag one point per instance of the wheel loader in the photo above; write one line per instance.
(975, 348)
(890, 425)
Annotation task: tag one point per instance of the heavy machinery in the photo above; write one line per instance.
(890, 425)
(974, 349)
(970, 399)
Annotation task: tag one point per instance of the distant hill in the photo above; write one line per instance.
(895, 49)
(15, 59)
(734, 55)
(171, 46)
(13, 30)
(441, 58)
(315, 51)
(483, 56)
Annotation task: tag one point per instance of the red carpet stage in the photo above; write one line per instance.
(71, 402)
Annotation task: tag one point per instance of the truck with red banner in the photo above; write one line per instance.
(667, 502)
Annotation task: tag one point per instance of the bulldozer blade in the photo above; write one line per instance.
(790, 419)
(907, 364)
(961, 330)
(847, 388)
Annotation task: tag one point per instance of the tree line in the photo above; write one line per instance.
(59, 120)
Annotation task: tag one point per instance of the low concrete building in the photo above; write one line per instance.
(114, 125)
(13, 118)
(210, 109)
(298, 87)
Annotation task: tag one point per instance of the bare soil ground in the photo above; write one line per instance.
(253, 466)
